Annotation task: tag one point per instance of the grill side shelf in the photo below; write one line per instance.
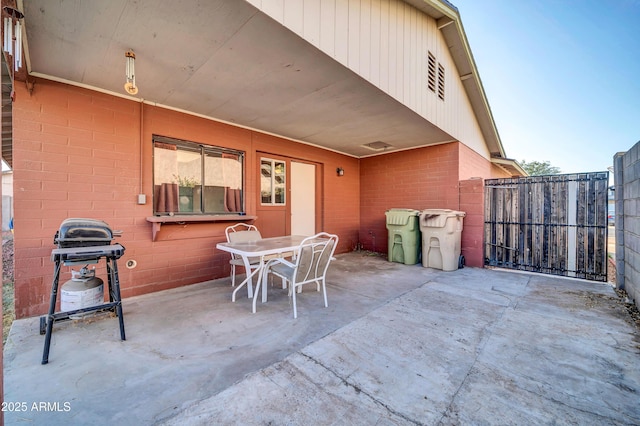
(74, 253)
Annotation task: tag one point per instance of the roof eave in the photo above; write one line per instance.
(511, 166)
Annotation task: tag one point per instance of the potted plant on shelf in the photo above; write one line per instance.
(186, 190)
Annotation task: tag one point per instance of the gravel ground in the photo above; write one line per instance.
(7, 286)
(7, 260)
(623, 297)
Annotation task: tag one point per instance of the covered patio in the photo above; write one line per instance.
(398, 344)
(237, 79)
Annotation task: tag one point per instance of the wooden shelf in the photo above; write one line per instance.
(157, 221)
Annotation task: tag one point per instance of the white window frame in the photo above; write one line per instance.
(273, 183)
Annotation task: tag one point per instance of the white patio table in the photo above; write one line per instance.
(264, 248)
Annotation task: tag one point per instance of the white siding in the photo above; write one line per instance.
(328, 26)
(385, 42)
(294, 16)
(273, 8)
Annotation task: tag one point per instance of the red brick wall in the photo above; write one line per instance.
(78, 153)
(472, 164)
(473, 170)
(414, 179)
(472, 203)
(75, 155)
(448, 176)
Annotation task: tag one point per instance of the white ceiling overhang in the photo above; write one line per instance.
(226, 60)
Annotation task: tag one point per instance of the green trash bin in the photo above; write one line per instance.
(404, 235)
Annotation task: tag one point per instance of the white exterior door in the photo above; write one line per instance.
(303, 199)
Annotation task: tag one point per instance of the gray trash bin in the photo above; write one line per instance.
(441, 238)
(404, 235)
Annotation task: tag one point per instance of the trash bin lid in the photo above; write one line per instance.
(442, 212)
(437, 218)
(400, 216)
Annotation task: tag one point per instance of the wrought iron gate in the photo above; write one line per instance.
(554, 224)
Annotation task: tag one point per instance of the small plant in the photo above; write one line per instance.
(187, 182)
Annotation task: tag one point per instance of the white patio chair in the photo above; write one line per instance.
(309, 265)
(242, 232)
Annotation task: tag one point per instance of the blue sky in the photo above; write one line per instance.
(562, 77)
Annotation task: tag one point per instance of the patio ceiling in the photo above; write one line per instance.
(226, 60)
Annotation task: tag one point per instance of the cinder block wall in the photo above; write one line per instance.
(627, 194)
(472, 203)
(425, 178)
(447, 176)
(473, 170)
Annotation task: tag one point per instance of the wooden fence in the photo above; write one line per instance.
(554, 224)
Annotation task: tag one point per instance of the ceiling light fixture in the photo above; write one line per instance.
(130, 71)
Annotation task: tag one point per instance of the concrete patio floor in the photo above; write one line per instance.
(397, 345)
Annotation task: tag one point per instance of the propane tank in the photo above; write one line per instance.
(83, 290)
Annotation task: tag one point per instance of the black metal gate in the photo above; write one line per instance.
(554, 224)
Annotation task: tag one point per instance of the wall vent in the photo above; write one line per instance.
(377, 145)
(440, 81)
(431, 72)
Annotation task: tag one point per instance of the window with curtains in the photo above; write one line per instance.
(192, 178)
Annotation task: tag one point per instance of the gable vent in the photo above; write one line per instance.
(440, 81)
(431, 72)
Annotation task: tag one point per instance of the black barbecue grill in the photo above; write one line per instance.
(83, 233)
(83, 241)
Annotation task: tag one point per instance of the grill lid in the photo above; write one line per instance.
(78, 231)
